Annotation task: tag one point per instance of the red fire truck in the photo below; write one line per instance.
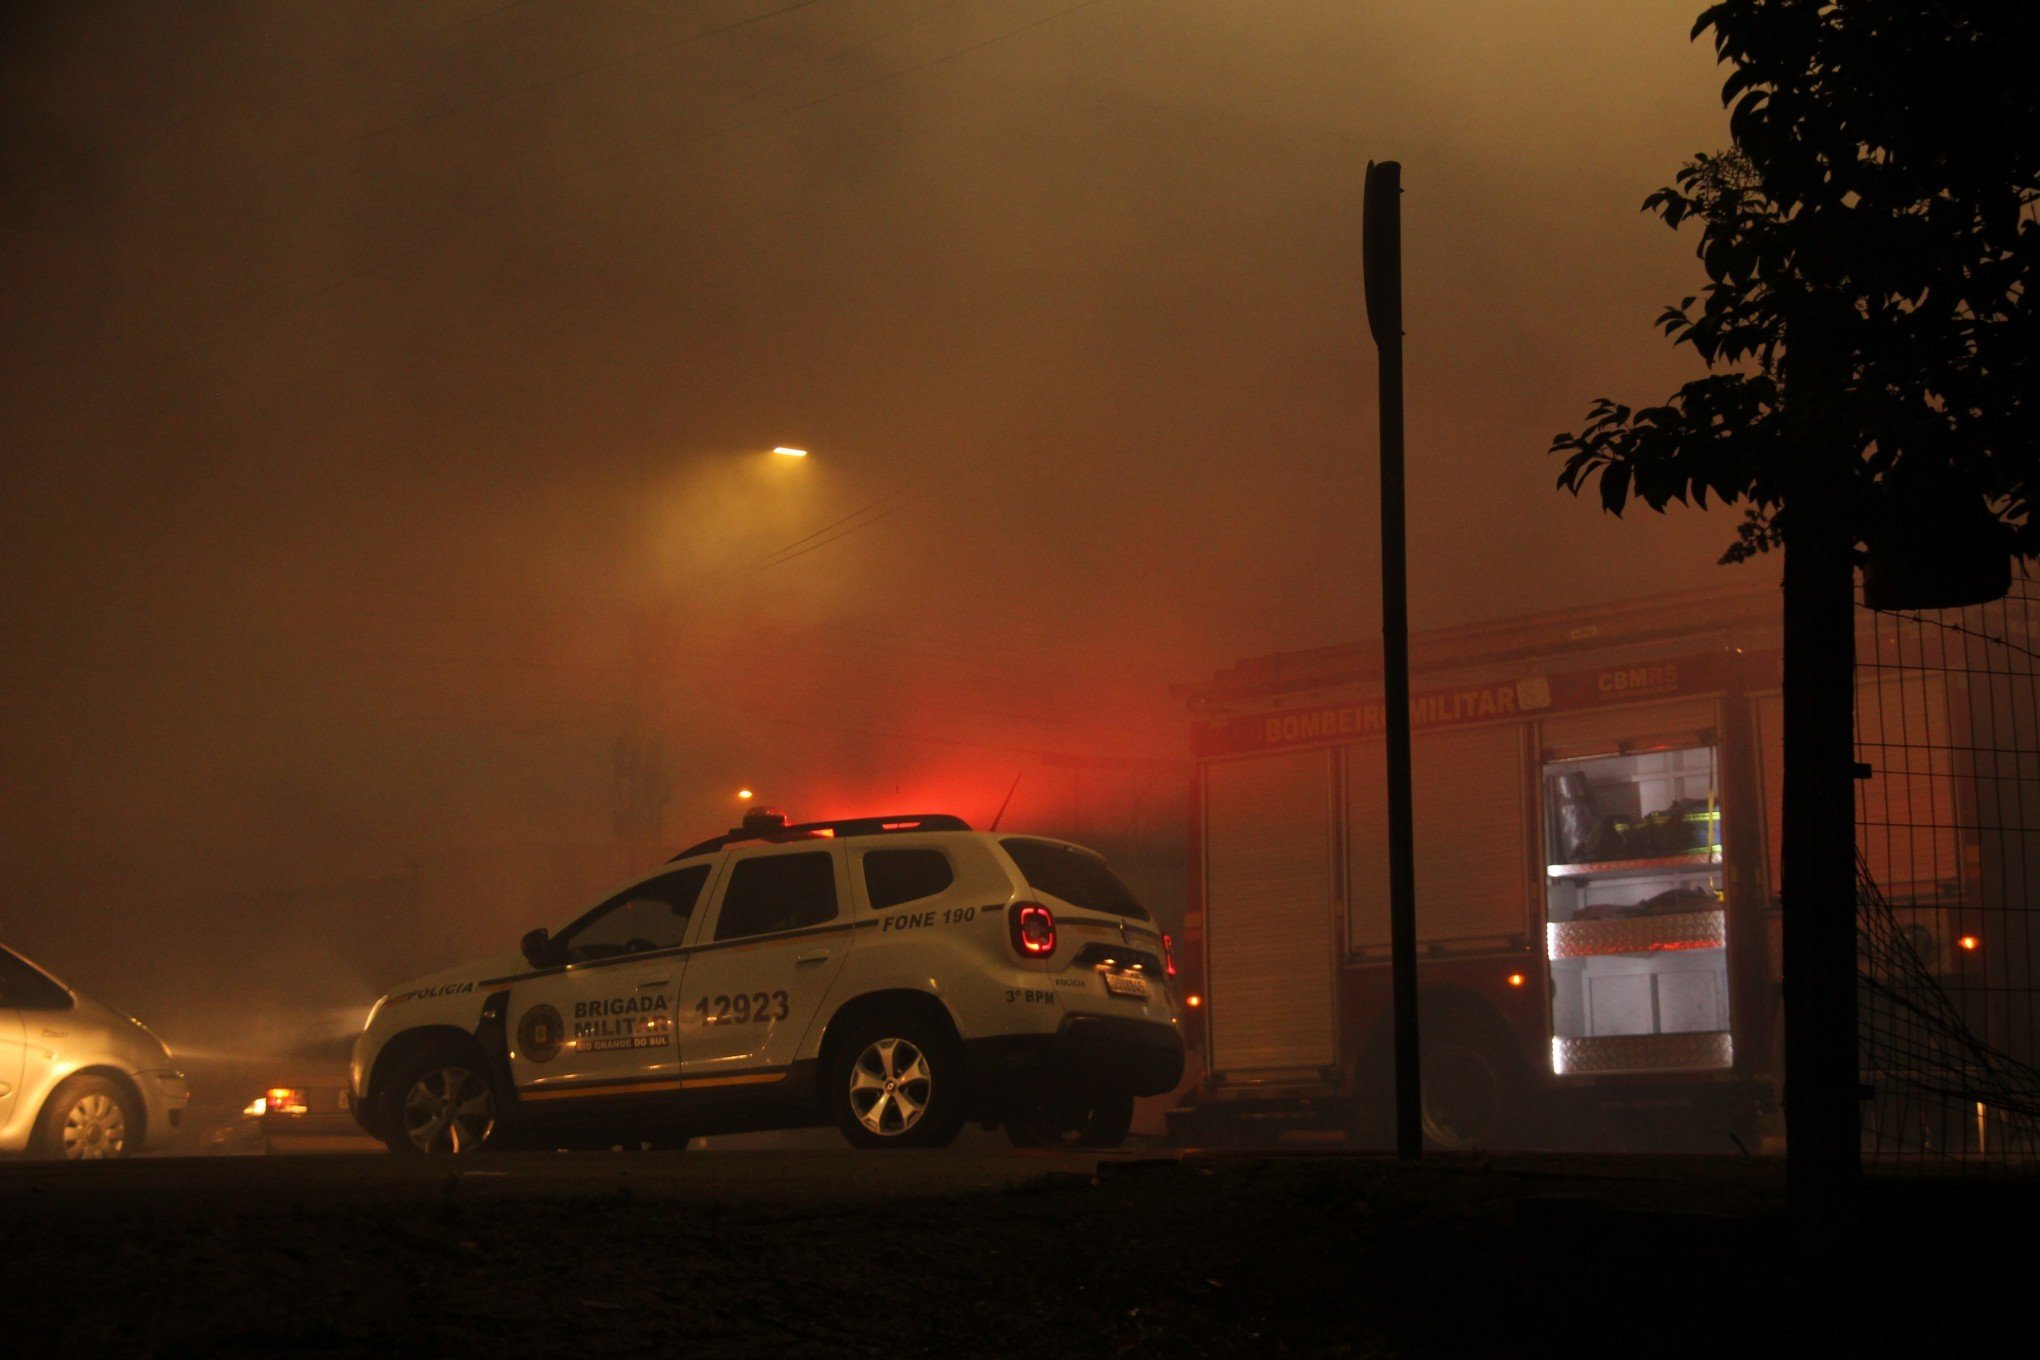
(1596, 806)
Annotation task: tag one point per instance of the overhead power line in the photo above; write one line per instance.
(777, 553)
(783, 557)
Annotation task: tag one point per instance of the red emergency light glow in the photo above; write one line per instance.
(1033, 928)
(1168, 955)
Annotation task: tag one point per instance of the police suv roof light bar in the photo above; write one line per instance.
(770, 824)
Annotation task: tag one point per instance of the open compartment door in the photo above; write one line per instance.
(1636, 929)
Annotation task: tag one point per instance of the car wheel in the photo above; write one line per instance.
(1103, 1123)
(88, 1119)
(898, 1082)
(439, 1103)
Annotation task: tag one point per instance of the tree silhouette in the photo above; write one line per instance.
(1869, 327)
(1877, 213)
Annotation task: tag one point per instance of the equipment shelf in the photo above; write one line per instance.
(1609, 868)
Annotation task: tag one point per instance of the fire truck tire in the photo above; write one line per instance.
(1105, 1123)
(896, 1081)
(439, 1101)
(1472, 1092)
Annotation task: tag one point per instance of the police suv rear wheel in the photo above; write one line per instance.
(897, 1082)
(439, 1104)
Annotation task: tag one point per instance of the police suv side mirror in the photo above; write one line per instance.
(537, 947)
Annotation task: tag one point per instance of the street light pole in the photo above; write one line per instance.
(1381, 268)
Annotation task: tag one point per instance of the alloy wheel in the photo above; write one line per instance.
(449, 1110)
(95, 1129)
(890, 1084)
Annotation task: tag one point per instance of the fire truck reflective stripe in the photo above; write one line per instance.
(632, 1088)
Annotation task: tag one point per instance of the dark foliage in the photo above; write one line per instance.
(1882, 199)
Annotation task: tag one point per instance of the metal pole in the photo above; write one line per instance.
(1819, 870)
(1381, 259)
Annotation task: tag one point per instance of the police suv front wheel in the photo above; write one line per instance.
(897, 1082)
(440, 1102)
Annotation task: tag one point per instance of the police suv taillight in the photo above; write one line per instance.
(1033, 929)
(1168, 956)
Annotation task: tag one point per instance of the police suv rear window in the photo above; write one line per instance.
(778, 892)
(895, 876)
(1078, 877)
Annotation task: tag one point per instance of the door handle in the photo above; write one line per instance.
(812, 956)
(648, 985)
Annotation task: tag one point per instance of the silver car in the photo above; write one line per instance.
(79, 1081)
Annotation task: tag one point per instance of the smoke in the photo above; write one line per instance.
(387, 395)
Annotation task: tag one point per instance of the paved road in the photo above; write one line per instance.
(980, 1252)
(242, 1185)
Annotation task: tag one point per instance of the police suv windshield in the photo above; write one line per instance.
(1079, 877)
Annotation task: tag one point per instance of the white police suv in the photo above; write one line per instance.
(893, 976)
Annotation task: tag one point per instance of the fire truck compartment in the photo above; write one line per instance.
(1269, 944)
(1636, 933)
(1473, 841)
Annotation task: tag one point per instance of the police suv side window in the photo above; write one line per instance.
(651, 915)
(772, 893)
(895, 876)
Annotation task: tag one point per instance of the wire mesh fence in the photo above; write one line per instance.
(1948, 834)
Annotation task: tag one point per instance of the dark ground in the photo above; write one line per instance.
(962, 1253)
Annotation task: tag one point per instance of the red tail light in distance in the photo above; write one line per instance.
(1168, 955)
(1033, 928)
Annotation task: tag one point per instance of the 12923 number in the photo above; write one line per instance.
(743, 1009)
